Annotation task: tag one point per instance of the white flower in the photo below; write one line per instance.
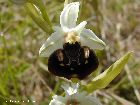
(69, 32)
(73, 97)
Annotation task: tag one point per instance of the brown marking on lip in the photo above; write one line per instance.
(60, 55)
(86, 51)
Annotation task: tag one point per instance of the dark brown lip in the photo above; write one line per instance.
(75, 63)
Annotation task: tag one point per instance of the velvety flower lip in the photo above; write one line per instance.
(74, 97)
(68, 18)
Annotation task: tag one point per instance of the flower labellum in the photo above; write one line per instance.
(70, 47)
(73, 97)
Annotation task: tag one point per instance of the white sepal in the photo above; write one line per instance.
(69, 16)
(54, 42)
(88, 38)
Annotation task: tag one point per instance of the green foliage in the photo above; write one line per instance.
(102, 80)
(31, 10)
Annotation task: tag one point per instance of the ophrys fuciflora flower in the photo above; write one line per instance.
(71, 47)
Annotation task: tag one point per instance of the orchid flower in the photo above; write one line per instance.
(67, 30)
(73, 97)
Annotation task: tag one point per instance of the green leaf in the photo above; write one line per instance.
(37, 18)
(41, 6)
(102, 80)
(43, 12)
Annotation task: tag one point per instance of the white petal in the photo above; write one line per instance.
(57, 29)
(88, 38)
(78, 29)
(89, 100)
(86, 100)
(55, 102)
(69, 16)
(54, 42)
(69, 90)
(58, 100)
(81, 97)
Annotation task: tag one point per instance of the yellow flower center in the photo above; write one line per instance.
(71, 37)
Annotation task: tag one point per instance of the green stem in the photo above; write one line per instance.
(57, 86)
(3, 87)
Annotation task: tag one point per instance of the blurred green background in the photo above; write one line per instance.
(24, 75)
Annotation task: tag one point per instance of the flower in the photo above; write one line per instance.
(70, 32)
(73, 97)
